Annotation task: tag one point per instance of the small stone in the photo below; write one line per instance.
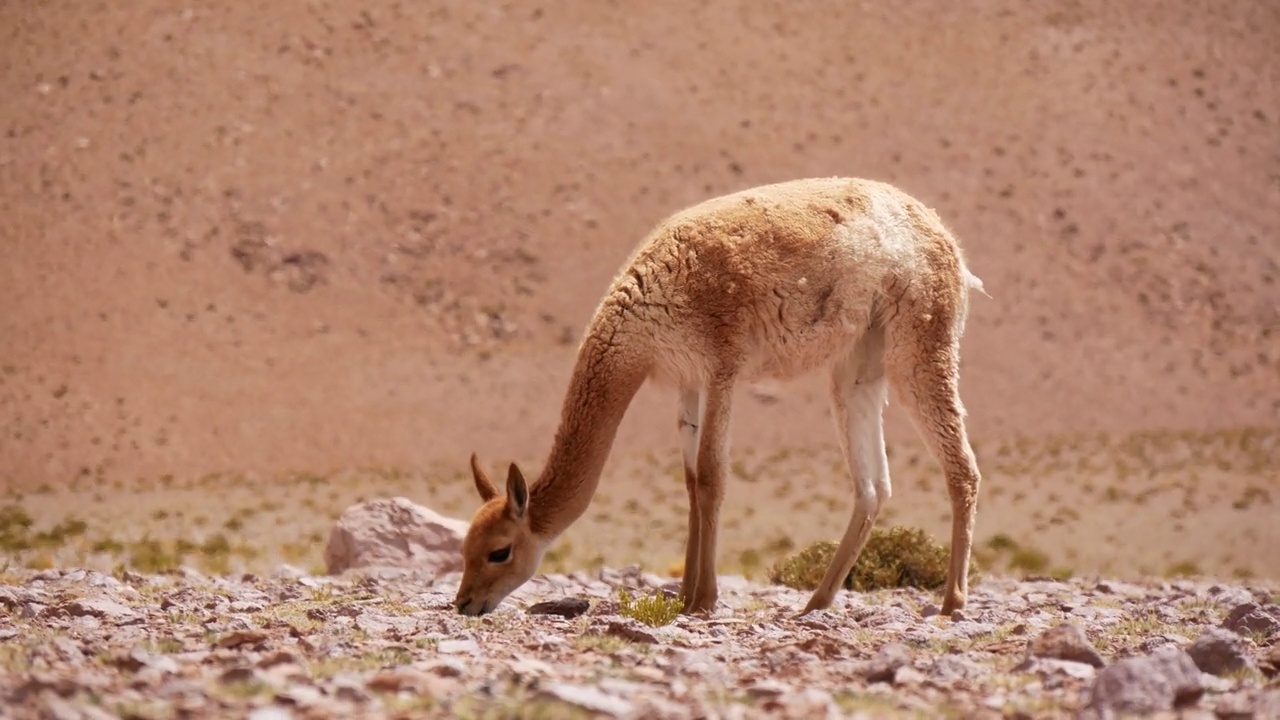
(279, 657)
(408, 679)
(99, 607)
(300, 695)
(563, 607)
(67, 649)
(1236, 706)
(1218, 651)
(766, 688)
(1050, 667)
(236, 638)
(884, 665)
(349, 689)
(1269, 663)
(948, 670)
(58, 709)
(929, 610)
(446, 668)
(457, 647)
(631, 630)
(1066, 641)
(530, 667)
(238, 675)
(270, 712)
(588, 698)
(957, 615)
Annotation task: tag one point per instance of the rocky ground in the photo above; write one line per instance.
(385, 643)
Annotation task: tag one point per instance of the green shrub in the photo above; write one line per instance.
(15, 528)
(151, 556)
(1183, 568)
(1029, 560)
(897, 557)
(655, 610)
(1000, 542)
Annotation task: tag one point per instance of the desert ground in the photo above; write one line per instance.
(259, 261)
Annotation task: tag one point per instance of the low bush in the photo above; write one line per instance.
(897, 557)
(655, 610)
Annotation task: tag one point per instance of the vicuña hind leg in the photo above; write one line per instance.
(858, 394)
(689, 421)
(708, 492)
(922, 363)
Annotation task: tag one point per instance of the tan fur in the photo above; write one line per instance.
(849, 276)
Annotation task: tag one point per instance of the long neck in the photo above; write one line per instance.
(606, 376)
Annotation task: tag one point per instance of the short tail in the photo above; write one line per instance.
(973, 282)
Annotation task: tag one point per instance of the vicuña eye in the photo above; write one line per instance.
(500, 555)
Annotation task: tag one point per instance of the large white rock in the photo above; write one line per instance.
(395, 532)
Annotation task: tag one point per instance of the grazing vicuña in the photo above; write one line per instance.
(849, 276)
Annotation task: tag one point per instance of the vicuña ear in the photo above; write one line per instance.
(484, 485)
(517, 493)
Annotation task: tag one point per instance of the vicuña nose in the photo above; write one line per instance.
(462, 605)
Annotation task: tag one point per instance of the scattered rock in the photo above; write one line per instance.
(1251, 617)
(349, 646)
(270, 712)
(563, 607)
(1053, 667)
(98, 607)
(886, 662)
(413, 680)
(588, 698)
(236, 638)
(631, 630)
(1165, 680)
(1066, 641)
(457, 647)
(395, 532)
(1219, 651)
(1269, 663)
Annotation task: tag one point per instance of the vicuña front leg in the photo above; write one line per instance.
(709, 491)
(689, 421)
(859, 413)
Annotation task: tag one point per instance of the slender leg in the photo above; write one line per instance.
(858, 395)
(709, 488)
(922, 363)
(689, 421)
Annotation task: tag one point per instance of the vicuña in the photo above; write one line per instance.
(849, 276)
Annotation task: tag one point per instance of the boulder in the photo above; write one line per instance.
(394, 532)
(1165, 680)
(1066, 641)
(1218, 651)
(1263, 620)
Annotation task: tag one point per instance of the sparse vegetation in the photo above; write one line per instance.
(897, 557)
(655, 610)
(1028, 560)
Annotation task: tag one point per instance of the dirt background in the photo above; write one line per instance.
(266, 237)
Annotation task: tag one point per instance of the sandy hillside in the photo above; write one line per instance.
(258, 238)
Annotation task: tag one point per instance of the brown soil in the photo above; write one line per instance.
(258, 238)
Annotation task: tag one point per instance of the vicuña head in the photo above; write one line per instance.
(499, 552)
